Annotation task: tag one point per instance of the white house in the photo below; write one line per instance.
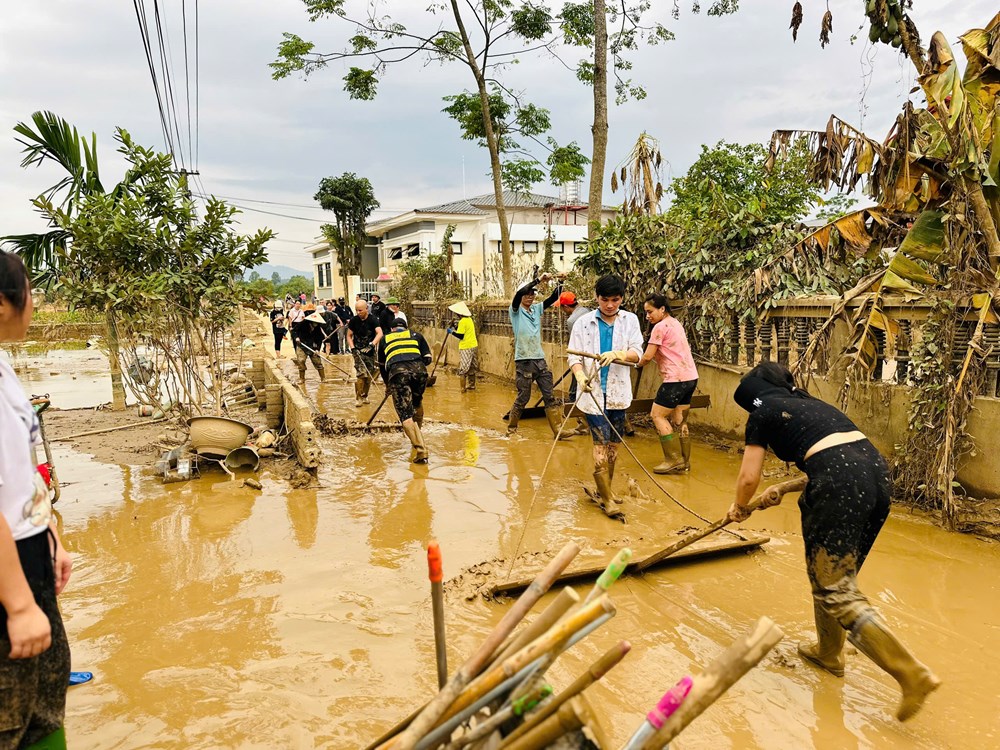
(475, 240)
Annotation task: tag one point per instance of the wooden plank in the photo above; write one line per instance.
(699, 550)
(638, 406)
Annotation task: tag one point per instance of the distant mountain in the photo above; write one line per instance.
(285, 272)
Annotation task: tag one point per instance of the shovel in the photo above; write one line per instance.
(432, 378)
(378, 409)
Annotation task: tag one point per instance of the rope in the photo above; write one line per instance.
(645, 471)
(534, 495)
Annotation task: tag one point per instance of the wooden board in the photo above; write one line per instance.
(719, 545)
(638, 406)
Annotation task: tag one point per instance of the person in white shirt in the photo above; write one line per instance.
(604, 392)
(34, 565)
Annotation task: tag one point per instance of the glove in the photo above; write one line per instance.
(770, 497)
(582, 381)
(608, 357)
(738, 513)
(450, 330)
(367, 350)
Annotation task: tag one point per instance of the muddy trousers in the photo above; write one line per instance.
(300, 361)
(33, 691)
(526, 372)
(843, 508)
(407, 382)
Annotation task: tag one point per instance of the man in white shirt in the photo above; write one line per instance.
(605, 390)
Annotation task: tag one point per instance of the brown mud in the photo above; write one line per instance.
(216, 615)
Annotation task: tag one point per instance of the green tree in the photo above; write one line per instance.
(275, 279)
(295, 286)
(158, 272)
(352, 200)
(481, 35)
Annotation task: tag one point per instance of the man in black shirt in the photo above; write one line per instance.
(403, 357)
(345, 314)
(333, 325)
(377, 306)
(363, 335)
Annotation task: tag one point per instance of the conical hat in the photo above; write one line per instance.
(316, 318)
(460, 308)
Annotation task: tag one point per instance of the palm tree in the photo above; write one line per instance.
(54, 139)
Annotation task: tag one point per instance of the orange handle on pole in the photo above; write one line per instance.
(434, 562)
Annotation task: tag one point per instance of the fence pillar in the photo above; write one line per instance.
(750, 337)
(734, 341)
(782, 330)
(765, 339)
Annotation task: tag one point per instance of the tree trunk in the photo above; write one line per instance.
(114, 359)
(600, 127)
(494, 149)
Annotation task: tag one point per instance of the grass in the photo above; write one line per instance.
(64, 317)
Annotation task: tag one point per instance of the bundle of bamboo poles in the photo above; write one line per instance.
(502, 686)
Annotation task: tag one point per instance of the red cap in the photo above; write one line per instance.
(434, 562)
(566, 298)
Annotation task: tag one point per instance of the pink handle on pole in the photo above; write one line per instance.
(670, 702)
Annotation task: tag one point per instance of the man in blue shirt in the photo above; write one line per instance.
(529, 359)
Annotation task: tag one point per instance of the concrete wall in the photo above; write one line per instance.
(880, 411)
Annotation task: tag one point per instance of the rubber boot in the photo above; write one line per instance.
(686, 452)
(874, 640)
(555, 417)
(513, 418)
(828, 651)
(611, 477)
(581, 426)
(410, 430)
(358, 387)
(54, 741)
(463, 381)
(418, 416)
(322, 373)
(472, 381)
(420, 455)
(366, 384)
(672, 461)
(603, 481)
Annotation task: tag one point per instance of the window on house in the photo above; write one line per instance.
(456, 248)
(319, 275)
(557, 248)
(329, 274)
(412, 251)
(396, 253)
(499, 246)
(579, 247)
(530, 246)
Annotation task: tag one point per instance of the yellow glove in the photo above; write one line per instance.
(582, 381)
(608, 357)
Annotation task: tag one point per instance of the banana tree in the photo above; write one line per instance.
(939, 165)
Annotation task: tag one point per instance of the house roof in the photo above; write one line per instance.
(477, 205)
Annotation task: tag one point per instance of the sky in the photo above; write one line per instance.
(266, 144)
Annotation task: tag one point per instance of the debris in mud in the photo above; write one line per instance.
(612, 510)
(479, 580)
(331, 427)
(252, 483)
(294, 474)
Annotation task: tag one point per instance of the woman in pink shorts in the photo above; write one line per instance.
(668, 345)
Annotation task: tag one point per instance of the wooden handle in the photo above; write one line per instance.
(550, 615)
(588, 355)
(792, 485)
(721, 675)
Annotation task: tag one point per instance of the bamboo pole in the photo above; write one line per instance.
(595, 672)
(566, 719)
(720, 675)
(549, 616)
(433, 711)
(791, 485)
(63, 438)
(437, 603)
(551, 641)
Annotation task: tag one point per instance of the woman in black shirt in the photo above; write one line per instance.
(843, 508)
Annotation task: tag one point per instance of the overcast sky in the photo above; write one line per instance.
(735, 79)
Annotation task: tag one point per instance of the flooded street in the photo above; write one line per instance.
(214, 615)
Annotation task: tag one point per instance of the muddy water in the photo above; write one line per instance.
(216, 616)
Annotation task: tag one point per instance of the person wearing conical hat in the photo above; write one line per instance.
(468, 346)
(308, 336)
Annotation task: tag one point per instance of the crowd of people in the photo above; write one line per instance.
(845, 503)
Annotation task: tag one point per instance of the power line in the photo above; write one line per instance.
(262, 211)
(197, 89)
(140, 14)
(295, 205)
(187, 82)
